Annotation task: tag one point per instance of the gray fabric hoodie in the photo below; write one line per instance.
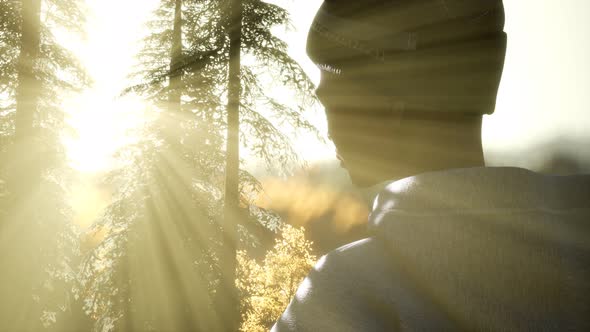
(479, 249)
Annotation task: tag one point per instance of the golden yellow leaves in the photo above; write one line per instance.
(267, 288)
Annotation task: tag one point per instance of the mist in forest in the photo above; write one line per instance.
(171, 187)
(123, 203)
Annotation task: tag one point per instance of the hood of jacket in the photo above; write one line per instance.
(501, 248)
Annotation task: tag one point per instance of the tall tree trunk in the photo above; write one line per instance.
(175, 79)
(27, 92)
(172, 120)
(27, 166)
(229, 294)
(19, 261)
(192, 310)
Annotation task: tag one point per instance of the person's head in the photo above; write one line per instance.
(405, 82)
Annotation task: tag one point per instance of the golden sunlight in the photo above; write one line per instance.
(166, 166)
(100, 118)
(101, 122)
(88, 200)
(102, 125)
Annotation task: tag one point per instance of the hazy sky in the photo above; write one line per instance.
(544, 92)
(545, 88)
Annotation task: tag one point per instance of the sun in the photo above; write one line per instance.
(99, 119)
(100, 126)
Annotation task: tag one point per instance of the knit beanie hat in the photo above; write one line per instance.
(413, 55)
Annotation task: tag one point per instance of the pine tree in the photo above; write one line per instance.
(164, 228)
(34, 72)
(227, 295)
(215, 31)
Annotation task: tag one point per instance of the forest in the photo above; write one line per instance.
(188, 239)
(180, 232)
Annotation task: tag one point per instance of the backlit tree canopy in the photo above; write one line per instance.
(156, 263)
(36, 238)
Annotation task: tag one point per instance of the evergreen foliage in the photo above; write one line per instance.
(156, 265)
(152, 260)
(36, 237)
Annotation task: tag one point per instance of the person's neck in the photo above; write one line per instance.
(435, 146)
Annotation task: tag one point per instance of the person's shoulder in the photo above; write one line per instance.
(347, 290)
(360, 255)
(362, 264)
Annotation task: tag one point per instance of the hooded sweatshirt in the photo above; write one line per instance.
(478, 249)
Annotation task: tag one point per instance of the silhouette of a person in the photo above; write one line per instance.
(454, 245)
